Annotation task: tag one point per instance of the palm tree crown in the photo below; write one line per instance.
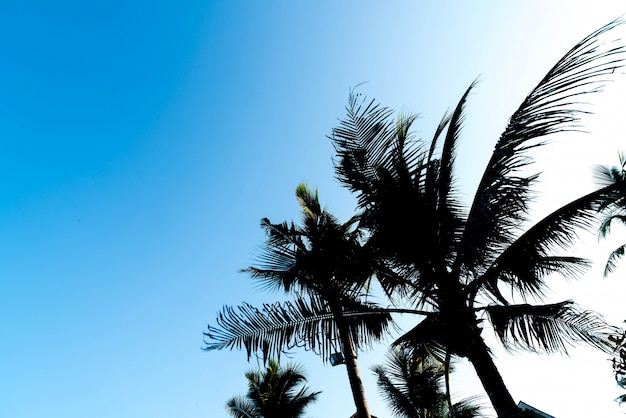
(274, 393)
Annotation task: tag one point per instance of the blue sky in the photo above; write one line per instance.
(141, 143)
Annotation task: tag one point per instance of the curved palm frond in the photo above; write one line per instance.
(501, 202)
(526, 262)
(611, 262)
(467, 407)
(548, 327)
(278, 327)
(428, 335)
(240, 407)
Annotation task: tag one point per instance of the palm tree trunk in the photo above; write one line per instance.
(352, 367)
(502, 401)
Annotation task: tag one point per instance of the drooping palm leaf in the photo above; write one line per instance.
(240, 407)
(525, 263)
(278, 327)
(549, 328)
(611, 262)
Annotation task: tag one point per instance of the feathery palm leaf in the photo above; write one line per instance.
(279, 327)
(548, 327)
(527, 261)
(501, 203)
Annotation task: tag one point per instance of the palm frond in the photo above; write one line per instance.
(279, 327)
(501, 202)
(469, 407)
(448, 208)
(611, 262)
(526, 262)
(549, 328)
(240, 407)
(395, 398)
(428, 335)
(362, 141)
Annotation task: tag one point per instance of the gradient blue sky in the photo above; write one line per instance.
(142, 142)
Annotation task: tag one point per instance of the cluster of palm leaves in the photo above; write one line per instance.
(619, 362)
(274, 393)
(456, 268)
(411, 382)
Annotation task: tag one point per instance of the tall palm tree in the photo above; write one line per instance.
(459, 260)
(273, 393)
(324, 264)
(411, 382)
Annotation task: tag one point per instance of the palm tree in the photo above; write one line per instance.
(273, 393)
(459, 260)
(411, 382)
(432, 255)
(323, 263)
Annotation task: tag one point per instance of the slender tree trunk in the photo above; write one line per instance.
(502, 401)
(352, 367)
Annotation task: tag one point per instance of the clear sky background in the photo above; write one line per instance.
(141, 143)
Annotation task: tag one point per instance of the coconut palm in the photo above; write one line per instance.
(325, 266)
(458, 260)
(453, 261)
(411, 382)
(274, 393)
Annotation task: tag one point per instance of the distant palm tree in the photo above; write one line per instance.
(411, 382)
(273, 393)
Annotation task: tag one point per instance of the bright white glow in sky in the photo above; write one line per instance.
(142, 142)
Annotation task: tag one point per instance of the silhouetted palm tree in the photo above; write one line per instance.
(454, 261)
(274, 393)
(411, 382)
(323, 263)
(458, 260)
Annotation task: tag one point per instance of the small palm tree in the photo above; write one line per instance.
(273, 393)
(411, 382)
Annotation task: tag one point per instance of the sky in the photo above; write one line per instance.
(142, 142)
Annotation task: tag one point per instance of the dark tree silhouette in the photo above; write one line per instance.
(274, 393)
(459, 260)
(434, 256)
(412, 383)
